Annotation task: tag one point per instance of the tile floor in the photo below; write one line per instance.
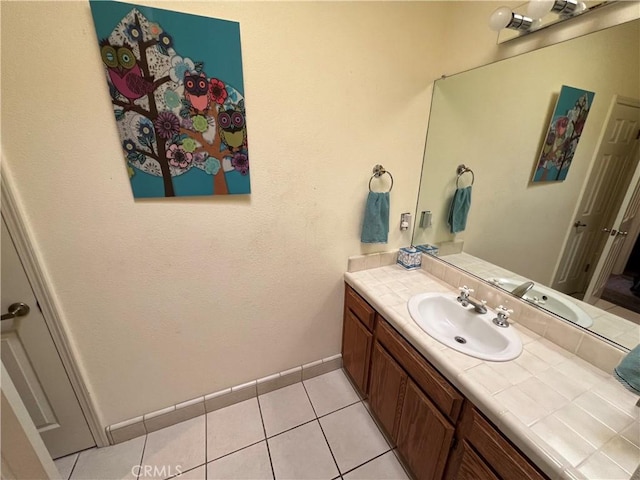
(315, 429)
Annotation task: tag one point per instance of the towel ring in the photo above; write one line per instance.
(378, 171)
(461, 170)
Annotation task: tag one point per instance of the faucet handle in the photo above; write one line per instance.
(466, 290)
(502, 317)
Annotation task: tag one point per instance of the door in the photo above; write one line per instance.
(356, 350)
(32, 361)
(424, 435)
(617, 234)
(387, 384)
(470, 466)
(609, 179)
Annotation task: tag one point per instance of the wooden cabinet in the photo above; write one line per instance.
(388, 383)
(494, 451)
(443, 395)
(356, 350)
(424, 435)
(471, 466)
(357, 339)
(420, 410)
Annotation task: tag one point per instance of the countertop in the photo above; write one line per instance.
(571, 419)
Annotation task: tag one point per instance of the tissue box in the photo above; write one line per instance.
(410, 258)
(429, 249)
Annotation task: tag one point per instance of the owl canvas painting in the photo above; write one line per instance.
(563, 134)
(176, 85)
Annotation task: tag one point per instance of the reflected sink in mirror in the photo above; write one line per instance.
(463, 329)
(550, 300)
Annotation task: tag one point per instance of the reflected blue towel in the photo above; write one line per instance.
(628, 372)
(459, 209)
(375, 227)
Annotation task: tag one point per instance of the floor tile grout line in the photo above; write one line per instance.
(316, 417)
(264, 430)
(144, 447)
(292, 428)
(310, 401)
(323, 434)
(206, 441)
(190, 470)
(74, 465)
(338, 409)
(235, 451)
(369, 461)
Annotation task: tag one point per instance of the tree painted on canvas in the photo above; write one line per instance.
(563, 135)
(181, 121)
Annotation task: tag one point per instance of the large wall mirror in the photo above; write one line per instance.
(570, 238)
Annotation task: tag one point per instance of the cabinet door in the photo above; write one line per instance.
(387, 385)
(472, 467)
(424, 435)
(356, 350)
(495, 450)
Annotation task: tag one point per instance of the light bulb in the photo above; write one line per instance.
(539, 8)
(576, 10)
(500, 18)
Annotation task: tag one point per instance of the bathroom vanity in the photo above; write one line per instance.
(438, 432)
(454, 416)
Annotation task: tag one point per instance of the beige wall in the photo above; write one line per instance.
(494, 119)
(166, 300)
(169, 299)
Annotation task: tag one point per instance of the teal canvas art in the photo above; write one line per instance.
(175, 82)
(563, 135)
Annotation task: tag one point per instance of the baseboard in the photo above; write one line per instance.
(150, 422)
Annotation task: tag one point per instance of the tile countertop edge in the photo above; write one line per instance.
(551, 462)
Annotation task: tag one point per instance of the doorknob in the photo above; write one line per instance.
(610, 231)
(622, 234)
(579, 224)
(16, 310)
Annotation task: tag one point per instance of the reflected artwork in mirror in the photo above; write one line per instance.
(574, 239)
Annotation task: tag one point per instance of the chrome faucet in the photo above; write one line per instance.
(465, 300)
(520, 290)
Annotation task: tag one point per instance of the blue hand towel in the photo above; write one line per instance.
(459, 209)
(628, 372)
(375, 227)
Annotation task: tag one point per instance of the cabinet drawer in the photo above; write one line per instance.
(359, 307)
(497, 451)
(441, 392)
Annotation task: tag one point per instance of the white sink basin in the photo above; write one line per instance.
(463, 329)
(550, 300)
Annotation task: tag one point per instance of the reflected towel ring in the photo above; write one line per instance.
(461, 170)
(378, 171)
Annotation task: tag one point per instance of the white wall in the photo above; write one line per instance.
(494, 119)
(169, 299)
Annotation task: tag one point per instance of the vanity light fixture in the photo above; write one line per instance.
(504, 17)
(564, 8)
(539, 14)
